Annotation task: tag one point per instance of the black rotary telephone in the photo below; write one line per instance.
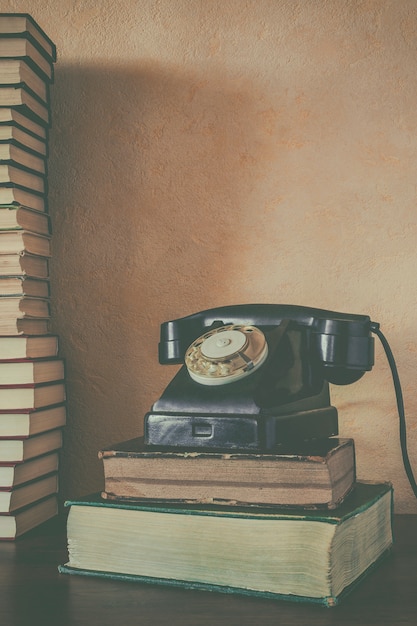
(256, 376)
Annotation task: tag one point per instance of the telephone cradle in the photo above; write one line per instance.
(256, 376)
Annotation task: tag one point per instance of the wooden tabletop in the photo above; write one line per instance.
(32, 592)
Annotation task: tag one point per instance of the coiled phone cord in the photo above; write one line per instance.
(400, 404)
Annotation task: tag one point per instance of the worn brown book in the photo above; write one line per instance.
(24, 326)
(31, 371)
(19, 425)
(26, 101)
(16, 72)
(22, 306)
(320, 473)
(23, 495)
(22, 197)
(20, 473)
(24, 264)
(11, 175)
(19, 450)
(18, 241)
(20, 137)
(23, 24)
(10, 115)
(23, 286)
(23, 46)
(15, 155)
(15, 217)
(23, 520)
(21, 347)
(34, 396)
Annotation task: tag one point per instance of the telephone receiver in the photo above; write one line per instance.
(256, 376)
(342, 343)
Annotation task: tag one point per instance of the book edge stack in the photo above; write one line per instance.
(362, 497)
(32, 376)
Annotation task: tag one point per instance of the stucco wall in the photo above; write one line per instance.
(210, 152)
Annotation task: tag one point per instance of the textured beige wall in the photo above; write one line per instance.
(210, 152)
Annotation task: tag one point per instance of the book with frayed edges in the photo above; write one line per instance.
(290, 554)
(319, 473)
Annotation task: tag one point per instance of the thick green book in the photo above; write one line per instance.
(292, 554)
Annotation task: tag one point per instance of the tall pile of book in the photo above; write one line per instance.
(32, 385)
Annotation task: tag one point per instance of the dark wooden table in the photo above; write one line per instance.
(33, 593)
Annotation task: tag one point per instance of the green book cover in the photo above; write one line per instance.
(310, 555)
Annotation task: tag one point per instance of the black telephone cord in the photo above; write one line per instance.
(400, 405)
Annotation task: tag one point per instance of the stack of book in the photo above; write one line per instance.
(295, 524)
(32, 388)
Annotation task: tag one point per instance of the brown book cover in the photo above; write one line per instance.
(11, 175)
(18, 307)
(26, 101)
(19, 137)
(20, 241)
(14, 155)
(18, 286)
(19, 450)
(15, 217)
(27, 423)
(23, 264)
(16, 347)
(16, 474)
(10, 116)
(24, 326)
(31, 371)
(24, 25)
(16, 72)
(23, 520)
(18, 398)
(24, 46)
(319, 473)
(22, 495)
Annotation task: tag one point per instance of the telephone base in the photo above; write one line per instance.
(255, 433)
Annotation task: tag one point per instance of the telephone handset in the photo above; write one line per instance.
(256, 376)
(343, 342)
